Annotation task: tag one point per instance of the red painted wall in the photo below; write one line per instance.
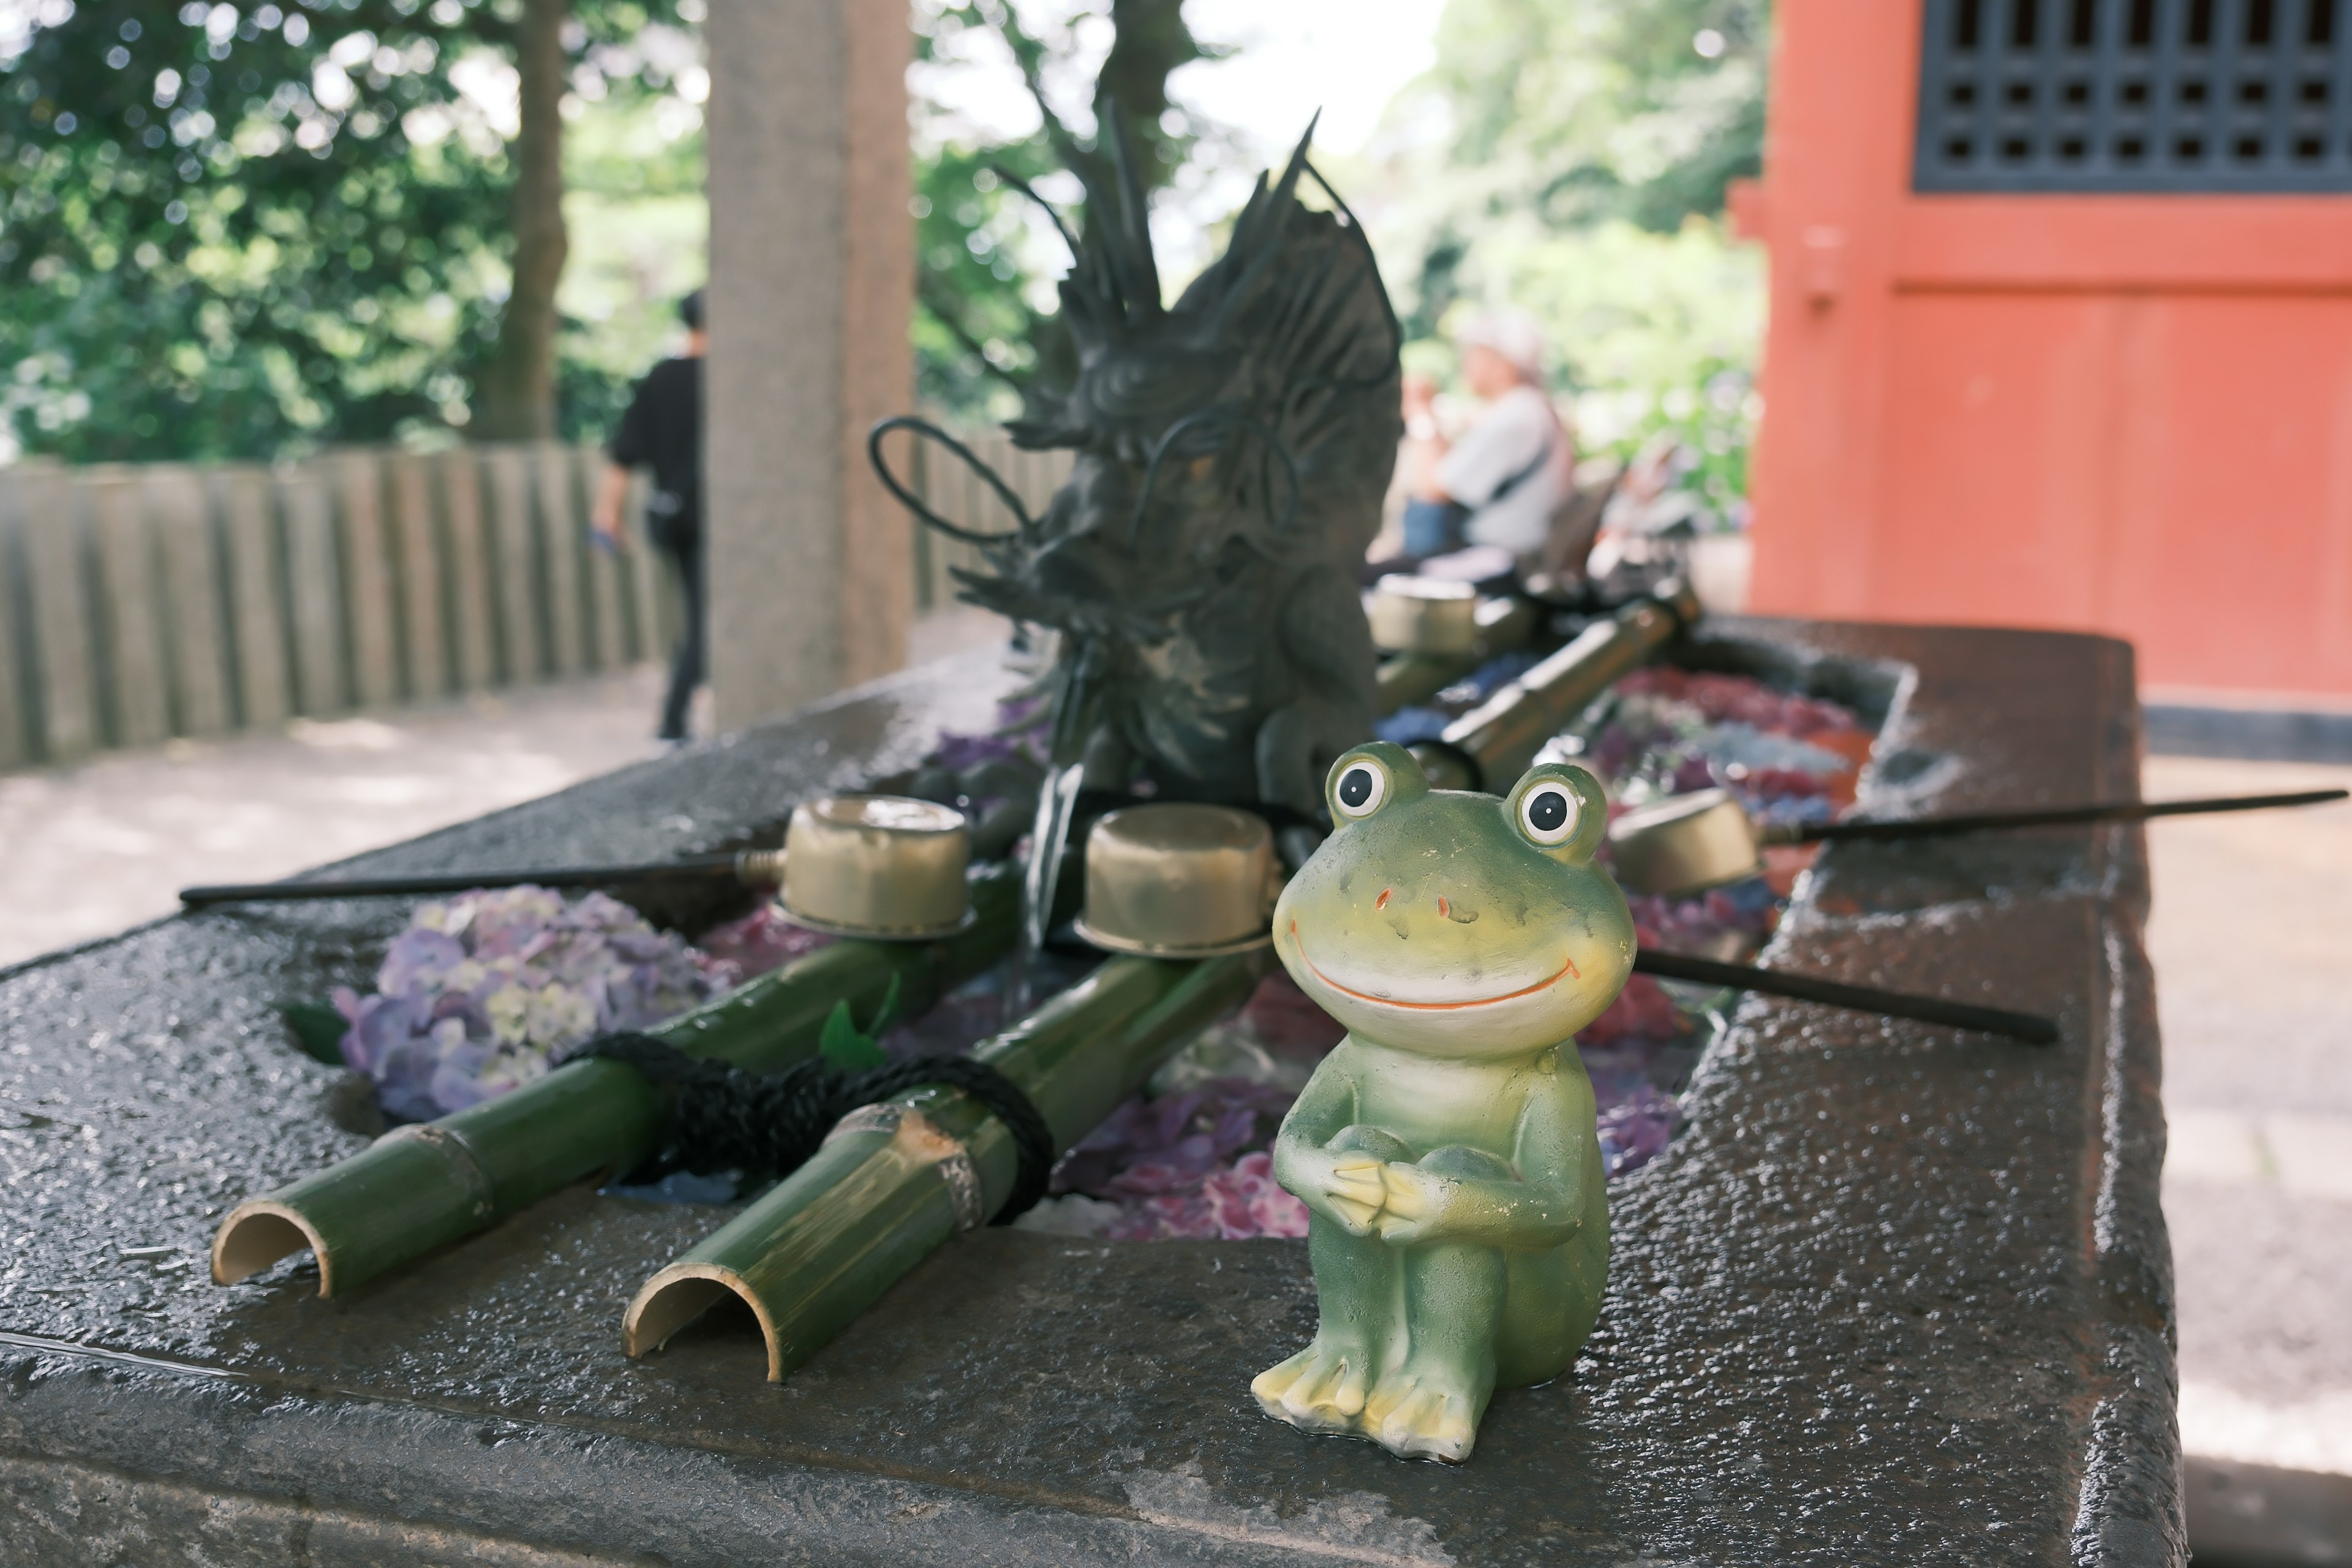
(2116, 413)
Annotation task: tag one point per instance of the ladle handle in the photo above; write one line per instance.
(709, 869)
(2030, 1027)
(2052, 817)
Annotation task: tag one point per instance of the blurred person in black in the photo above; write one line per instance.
(663, 431)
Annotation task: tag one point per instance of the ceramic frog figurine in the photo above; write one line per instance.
(1445, 1150)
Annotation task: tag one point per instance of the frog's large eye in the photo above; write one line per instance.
(1374, 777)
(1360, 788)
(1560, 809)
(1548, 812)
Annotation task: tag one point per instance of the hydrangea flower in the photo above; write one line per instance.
(480, 990)
(761, 941)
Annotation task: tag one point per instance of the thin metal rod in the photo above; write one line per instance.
(925, 429)
(715, 867)
(2030, 1027)
(2053, 816)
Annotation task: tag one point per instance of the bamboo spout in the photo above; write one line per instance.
(1500, 737)
(420, 1188)
(1504, 623)
(897, 1181)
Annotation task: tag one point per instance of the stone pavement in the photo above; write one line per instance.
(88, 850)
(2252, 938)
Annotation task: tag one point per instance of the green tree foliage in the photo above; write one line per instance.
(984, 325)
(1569, 158)
(237, 230)
(1569, 113)
(634, 169)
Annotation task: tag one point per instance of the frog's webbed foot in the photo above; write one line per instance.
(1424, 1412)
(1320, 1389)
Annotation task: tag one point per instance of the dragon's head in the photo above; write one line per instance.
(1209, 435)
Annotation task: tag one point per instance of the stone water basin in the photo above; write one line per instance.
(1893, 1293)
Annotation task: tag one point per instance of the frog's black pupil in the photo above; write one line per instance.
(1548, 811)
(1355, 787)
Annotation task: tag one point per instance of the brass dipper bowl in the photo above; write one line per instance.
(1423, 614)
(1684, 845)
(881, 866)
(1179, 881)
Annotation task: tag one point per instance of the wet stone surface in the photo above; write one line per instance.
(1895, 1294)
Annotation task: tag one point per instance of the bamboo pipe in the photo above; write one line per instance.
(1500, 737)
(1504, 623)
(895, 1181)
(751, 868)
(421, 1187)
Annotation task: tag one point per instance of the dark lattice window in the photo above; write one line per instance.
(2136, 95)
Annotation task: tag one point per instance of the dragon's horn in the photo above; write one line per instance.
(1134, 218)
(1258, 233)
(1299, 158)
(1115, 260)
(1053, 214)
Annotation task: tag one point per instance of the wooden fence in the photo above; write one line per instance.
(138, 603)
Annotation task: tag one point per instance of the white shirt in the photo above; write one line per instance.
(1512, 432)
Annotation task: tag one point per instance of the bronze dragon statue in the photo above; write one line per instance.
(1231, 452)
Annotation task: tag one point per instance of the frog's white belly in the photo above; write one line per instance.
(1430, 1102)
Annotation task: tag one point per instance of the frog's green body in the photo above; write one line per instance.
(1446, 1151)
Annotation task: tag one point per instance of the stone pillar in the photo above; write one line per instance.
(811, 283)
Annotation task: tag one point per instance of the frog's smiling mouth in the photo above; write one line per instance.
(1566, 971)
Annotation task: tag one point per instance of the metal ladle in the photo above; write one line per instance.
(884, 867)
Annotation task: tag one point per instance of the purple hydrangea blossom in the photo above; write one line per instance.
(1021, 729)
(1634, 1131)
(1174, 1165)
(1234, 1202)
(481, 990)
(761, 941)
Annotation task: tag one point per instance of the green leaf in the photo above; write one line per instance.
(887, 1014)
(844, 1046)
(318, 1028)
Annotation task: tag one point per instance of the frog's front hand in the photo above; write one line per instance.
(1411, 1201)
(1444, 1191)
(1339, 1179)
(1357, 1190)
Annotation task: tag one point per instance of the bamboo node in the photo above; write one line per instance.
(464, 1160)
(866, 1118)
(922, 1142)
(962, 1180)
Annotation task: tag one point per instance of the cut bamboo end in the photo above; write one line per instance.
(683, 1293)
(258, 1233)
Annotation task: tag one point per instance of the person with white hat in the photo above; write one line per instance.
(1501, 481)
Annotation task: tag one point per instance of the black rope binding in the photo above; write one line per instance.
(766, 1125)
